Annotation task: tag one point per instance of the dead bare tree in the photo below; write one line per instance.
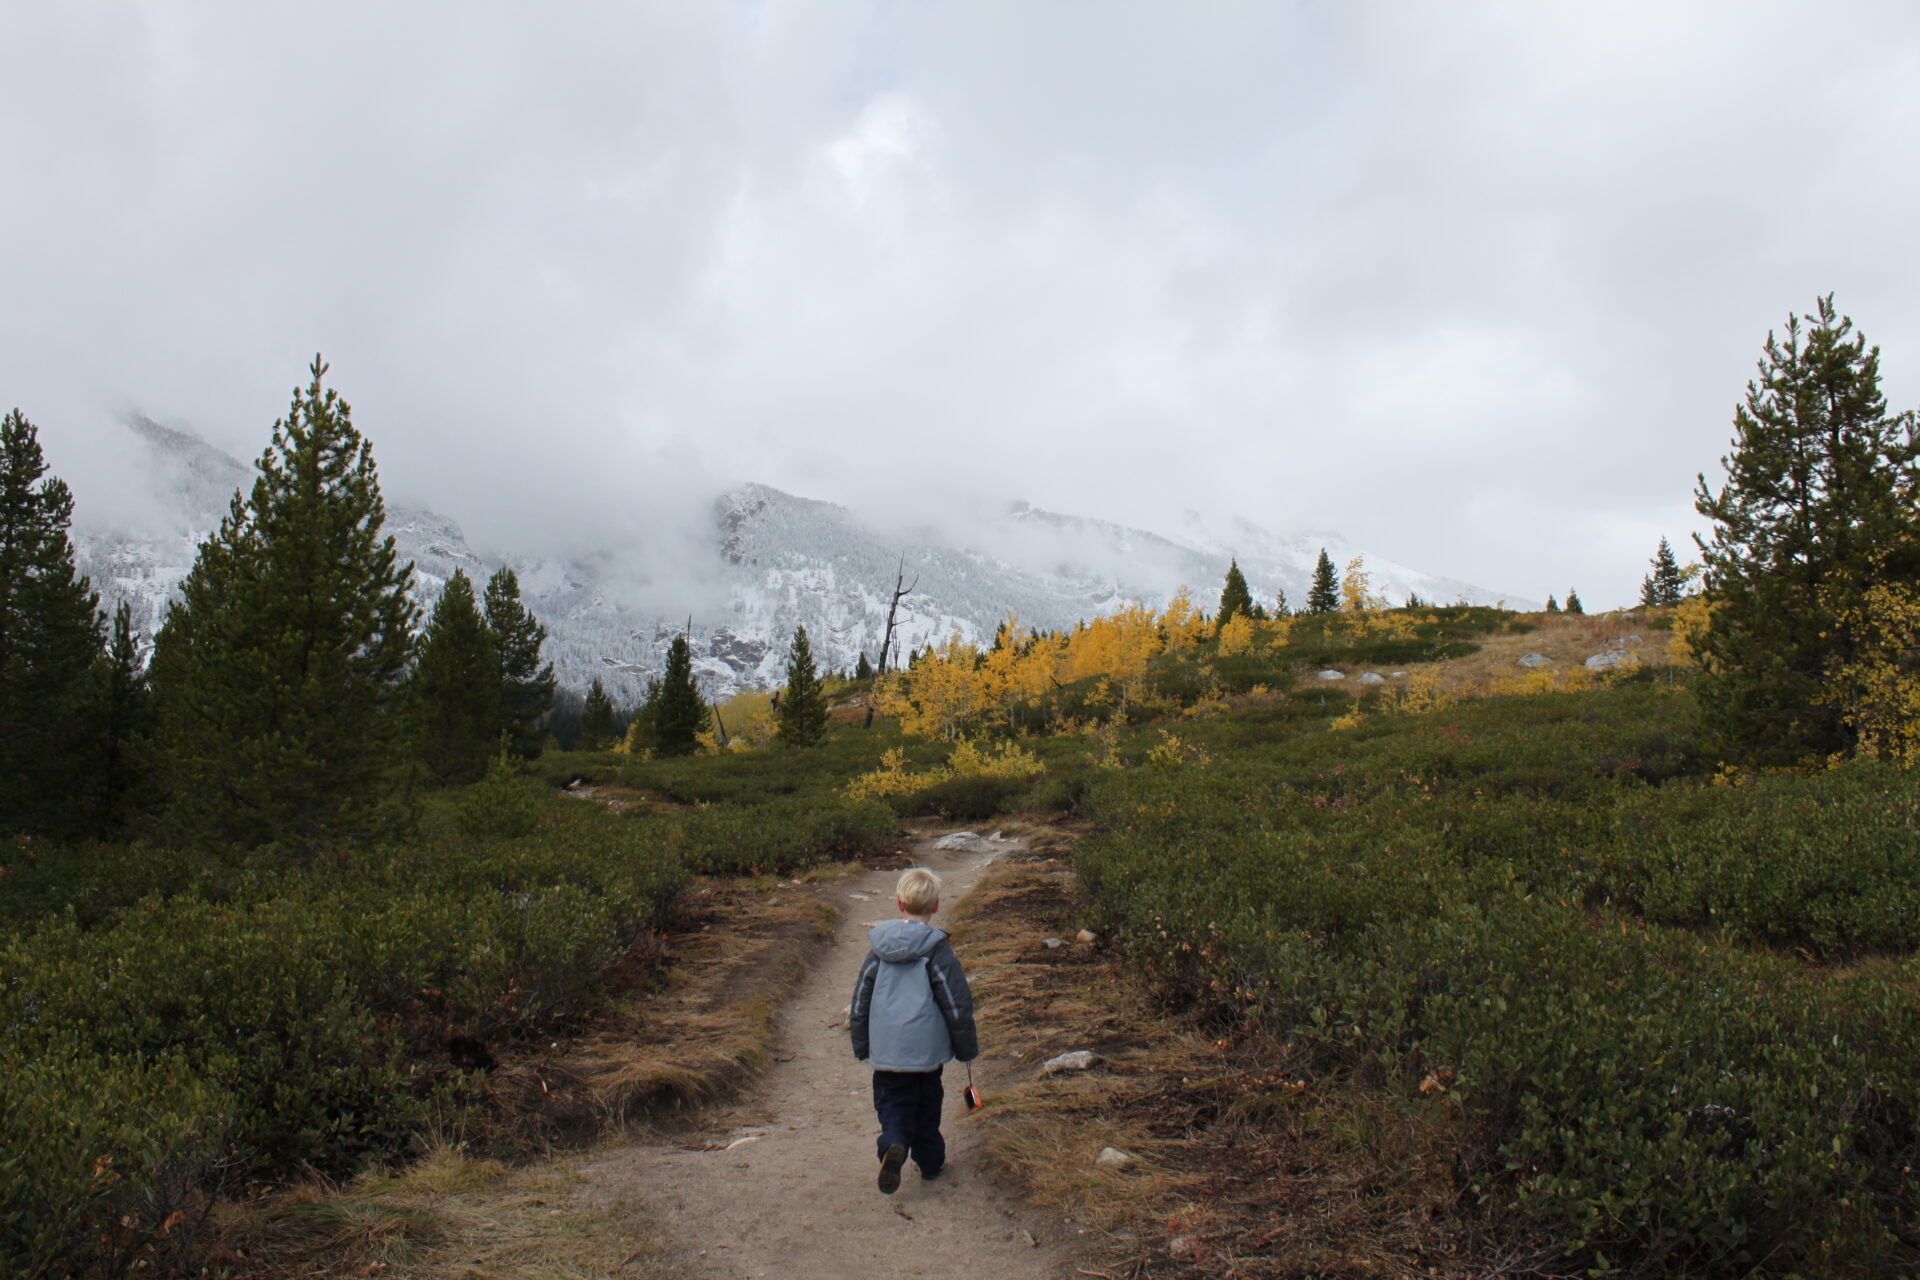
(900, 593)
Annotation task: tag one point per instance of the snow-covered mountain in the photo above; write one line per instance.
(775, 560)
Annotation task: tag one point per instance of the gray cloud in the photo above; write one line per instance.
(1479, 285)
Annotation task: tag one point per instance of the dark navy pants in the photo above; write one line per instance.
(909, 1107)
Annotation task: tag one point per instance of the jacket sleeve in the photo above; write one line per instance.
(862, 1005)
(955, 998)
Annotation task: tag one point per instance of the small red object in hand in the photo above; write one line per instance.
(971, 1094)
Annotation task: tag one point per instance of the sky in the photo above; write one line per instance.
(1478, 285)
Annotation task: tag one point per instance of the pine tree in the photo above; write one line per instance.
(526, 687)
(1324, 595)
(127, 728)
(1573, 602)
(277, 676)
(1665, 585)
(1234, 596)
(1281, 609)
(680, 714)
(863, 670)
(1816, 510)
(1553, 606)
(455, 689)
(803, 710)
(50, 643)
(599, 722)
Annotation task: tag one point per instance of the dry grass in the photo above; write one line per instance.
(1250, 1165)
(1569, 639)
(447, 1218)
(741, 948)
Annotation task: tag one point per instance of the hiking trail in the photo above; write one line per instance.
(780, 1184)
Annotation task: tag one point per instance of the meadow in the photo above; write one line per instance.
(1663, 1010)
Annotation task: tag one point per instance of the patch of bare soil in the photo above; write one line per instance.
(1246, 1162)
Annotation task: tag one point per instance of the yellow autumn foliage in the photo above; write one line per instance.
(1879, 691)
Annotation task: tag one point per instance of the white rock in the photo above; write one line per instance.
(998, 837)
(1052, 943)
(1373, 677)
(1331, 674)
(964, 842)
(1535, 660)
(1625, 642)
(1397, 675)
(1078, 1060)
(1610, 659)
(1086, 935)
(1115, 1159)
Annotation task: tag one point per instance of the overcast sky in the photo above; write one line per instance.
(1477, 285)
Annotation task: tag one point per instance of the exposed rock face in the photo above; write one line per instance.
(1535, 660)
(1373, 677)
(1331, 674)
(1612, 658)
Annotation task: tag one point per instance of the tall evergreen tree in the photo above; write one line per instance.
(599, 722)
(1553, 606)
(127, 727)
(1573, 602)
(863, 670)
(50, 643)
(1281, 609)
(1324, 595)
(455, 689)
(526, 687)
(1665, 584)
(1818, 507)
(278, 674)
(802, 717)
(680, 714)
(1234, 596)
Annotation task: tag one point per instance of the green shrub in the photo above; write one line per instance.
(103, 1161)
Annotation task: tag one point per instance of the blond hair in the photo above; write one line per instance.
(918, 892)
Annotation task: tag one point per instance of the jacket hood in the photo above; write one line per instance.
(898, 941)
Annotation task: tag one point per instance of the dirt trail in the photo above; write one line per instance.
(783, 1184)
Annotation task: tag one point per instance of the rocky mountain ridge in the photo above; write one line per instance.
(773, 560)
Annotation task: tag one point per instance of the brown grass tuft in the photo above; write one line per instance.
(740, 949)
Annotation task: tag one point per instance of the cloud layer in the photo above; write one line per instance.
(1478, 285)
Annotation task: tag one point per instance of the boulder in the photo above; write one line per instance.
(1373, 677)
(1115, 1159)
(1534, 660)
(1331, 674)
(965, 842)
(1086, 935)
(1610, 659)
(1051, 943)
(1625, 642)
(1078, 1060)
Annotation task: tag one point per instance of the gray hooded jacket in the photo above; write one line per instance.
(912, 1009)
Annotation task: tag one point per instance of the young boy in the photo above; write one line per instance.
(911, 1012)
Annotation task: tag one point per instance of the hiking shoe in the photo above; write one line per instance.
(928, 1175)
(890, 1168)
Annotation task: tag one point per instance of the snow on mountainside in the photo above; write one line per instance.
(777, 561)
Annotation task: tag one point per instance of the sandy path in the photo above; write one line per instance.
(795, 1199)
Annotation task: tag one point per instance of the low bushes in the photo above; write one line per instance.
(248, 1021)
(1483, 909)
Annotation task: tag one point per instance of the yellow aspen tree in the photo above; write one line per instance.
(1236, 635)
(1182, 622)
